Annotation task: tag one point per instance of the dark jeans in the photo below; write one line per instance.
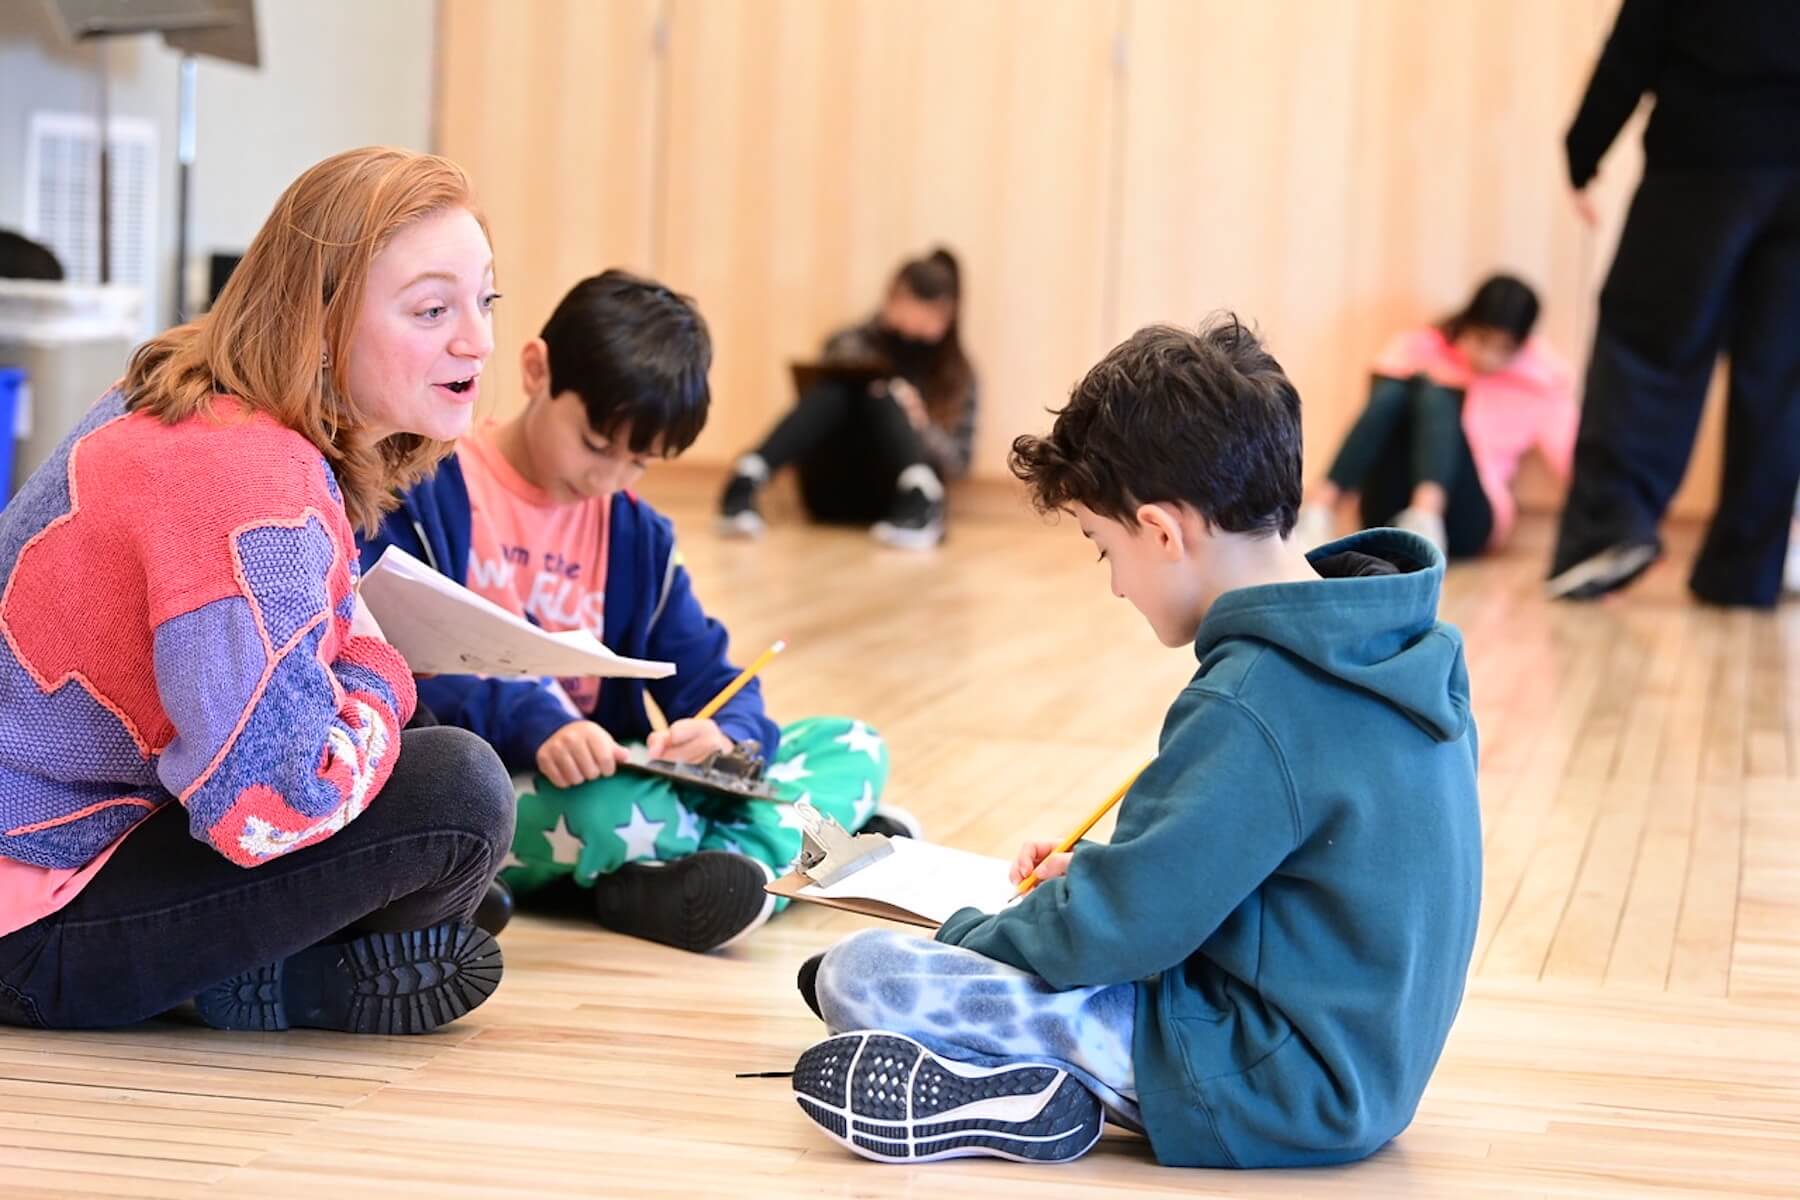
(1709, 261)
(849, 448)
(1411, 433)
(168, 916)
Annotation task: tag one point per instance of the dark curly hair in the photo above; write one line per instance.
(1204, 418)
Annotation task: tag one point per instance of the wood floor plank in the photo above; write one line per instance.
(1630, 1031)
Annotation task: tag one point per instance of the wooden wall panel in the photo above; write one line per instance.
(1332, 171)
(551, 106)
(813, 146)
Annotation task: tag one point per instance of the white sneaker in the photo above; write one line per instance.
(1427, 525)
(1607, 571)
(917, 522)
(1316, 525)
(738, 514)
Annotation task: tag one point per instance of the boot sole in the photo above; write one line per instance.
(385, 983)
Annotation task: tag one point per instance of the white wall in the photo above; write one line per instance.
(336, 74)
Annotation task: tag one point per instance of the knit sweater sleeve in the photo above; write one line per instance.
(285, 724)
(951, 447)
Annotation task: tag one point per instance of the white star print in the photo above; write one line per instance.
(862, 738)
(731, 845)
(687, 825)
(562, 842)
(791, 771)
(512, 860)
(639, 835)
(789, 816)
(865, 807)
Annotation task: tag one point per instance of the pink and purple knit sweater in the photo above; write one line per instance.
(175, 625)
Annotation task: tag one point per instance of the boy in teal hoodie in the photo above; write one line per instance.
(1260, 969)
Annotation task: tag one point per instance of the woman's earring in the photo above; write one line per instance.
(324, 360)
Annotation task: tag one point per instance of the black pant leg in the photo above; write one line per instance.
(1663, 315)
(168, 916)
(1746, 545)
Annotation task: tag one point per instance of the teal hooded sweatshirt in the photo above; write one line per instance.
(1293, 881)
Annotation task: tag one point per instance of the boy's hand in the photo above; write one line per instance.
(911, 403)
(577, 753)
(1040, 856)
(687, 741)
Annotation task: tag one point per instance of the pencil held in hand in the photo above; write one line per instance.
(1030, 881)
(744, 676)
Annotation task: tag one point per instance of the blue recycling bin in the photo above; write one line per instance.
(12, 394)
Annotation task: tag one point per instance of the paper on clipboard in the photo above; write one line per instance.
(442, 628)
(918, 884)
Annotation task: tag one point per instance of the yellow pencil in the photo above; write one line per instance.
(1031, 880)
(744, 676)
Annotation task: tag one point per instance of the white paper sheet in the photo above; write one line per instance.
(932, 881)
(442, 628)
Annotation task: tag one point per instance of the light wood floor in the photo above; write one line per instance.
(1632, 1027)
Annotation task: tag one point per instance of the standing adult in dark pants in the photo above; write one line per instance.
(1709, 261)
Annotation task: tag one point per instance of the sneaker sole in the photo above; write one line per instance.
(385, 983)
(888, 1098)
(713, 905)
(893, 535)
(743, 525)
(1590, 579)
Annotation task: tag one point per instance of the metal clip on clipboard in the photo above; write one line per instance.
(828, 853)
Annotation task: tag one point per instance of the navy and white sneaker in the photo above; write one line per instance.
(888, 1098)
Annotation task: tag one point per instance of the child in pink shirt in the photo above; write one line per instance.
(1452, 410)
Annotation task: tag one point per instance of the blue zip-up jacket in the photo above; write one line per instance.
(651, 612)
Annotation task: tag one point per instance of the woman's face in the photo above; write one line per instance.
(915, 319)
(425, 329)
(1486, 349)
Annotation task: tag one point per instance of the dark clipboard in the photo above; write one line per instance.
(859, 371)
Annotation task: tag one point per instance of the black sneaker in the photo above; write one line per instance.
(1607, 571)
(738, 514)
(888, 1098)
(891, 820)
(808, 983)
(408, 982)
(916, 522)
(698, 903)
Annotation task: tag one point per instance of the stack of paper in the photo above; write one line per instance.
(919, 884)
(442, 628)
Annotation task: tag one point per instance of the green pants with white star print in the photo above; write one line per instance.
(837, 765)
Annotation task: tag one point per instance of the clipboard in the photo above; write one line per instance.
(702, 776)
(860, 371)
(896, 879)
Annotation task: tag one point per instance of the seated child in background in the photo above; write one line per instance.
(534, 515)
(1261, 968)
(1452, 410)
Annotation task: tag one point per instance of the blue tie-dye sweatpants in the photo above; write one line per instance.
(969, 1008)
